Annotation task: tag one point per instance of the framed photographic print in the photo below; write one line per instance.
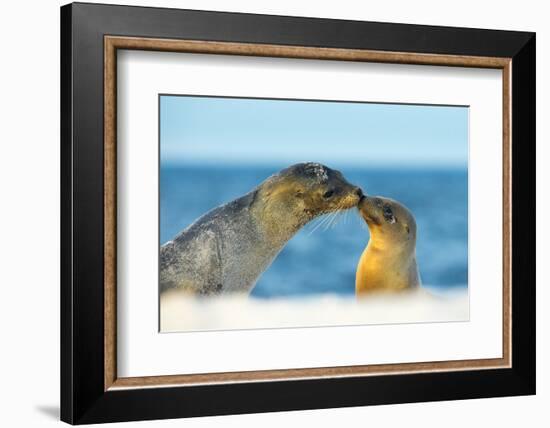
(265, 213)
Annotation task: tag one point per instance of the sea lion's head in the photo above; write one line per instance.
(388, 220)
(304, 191)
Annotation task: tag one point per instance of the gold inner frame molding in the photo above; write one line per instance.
(113, 43)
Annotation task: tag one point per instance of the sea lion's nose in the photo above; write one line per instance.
(359, 192)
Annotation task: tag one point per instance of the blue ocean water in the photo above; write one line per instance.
(324, 261)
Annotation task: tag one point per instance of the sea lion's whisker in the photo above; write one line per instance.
(337, 216)
(342, 216)
(336, 219)
(330, 219)
(318, 219)
(333, 216)
(314, 222)
(321, 221)
(324, 220)
(327, 225)
(315, 227)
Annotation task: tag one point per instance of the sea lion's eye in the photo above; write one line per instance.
(388, 214)
(328, 194)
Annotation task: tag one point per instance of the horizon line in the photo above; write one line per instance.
(267, 164)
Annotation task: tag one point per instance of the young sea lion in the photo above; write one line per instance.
(228, 248)
(388, 263)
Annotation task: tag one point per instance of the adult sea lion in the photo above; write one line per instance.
(228, 248)
(388, 263)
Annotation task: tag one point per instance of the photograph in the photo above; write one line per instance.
(264, 211)
(285, 213)
(276, 210)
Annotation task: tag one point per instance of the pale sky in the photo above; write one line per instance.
(243, 131)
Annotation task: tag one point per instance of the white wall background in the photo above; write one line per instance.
(29, 213)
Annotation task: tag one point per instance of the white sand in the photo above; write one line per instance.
(182, 312)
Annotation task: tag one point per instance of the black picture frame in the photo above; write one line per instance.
(83, 396)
